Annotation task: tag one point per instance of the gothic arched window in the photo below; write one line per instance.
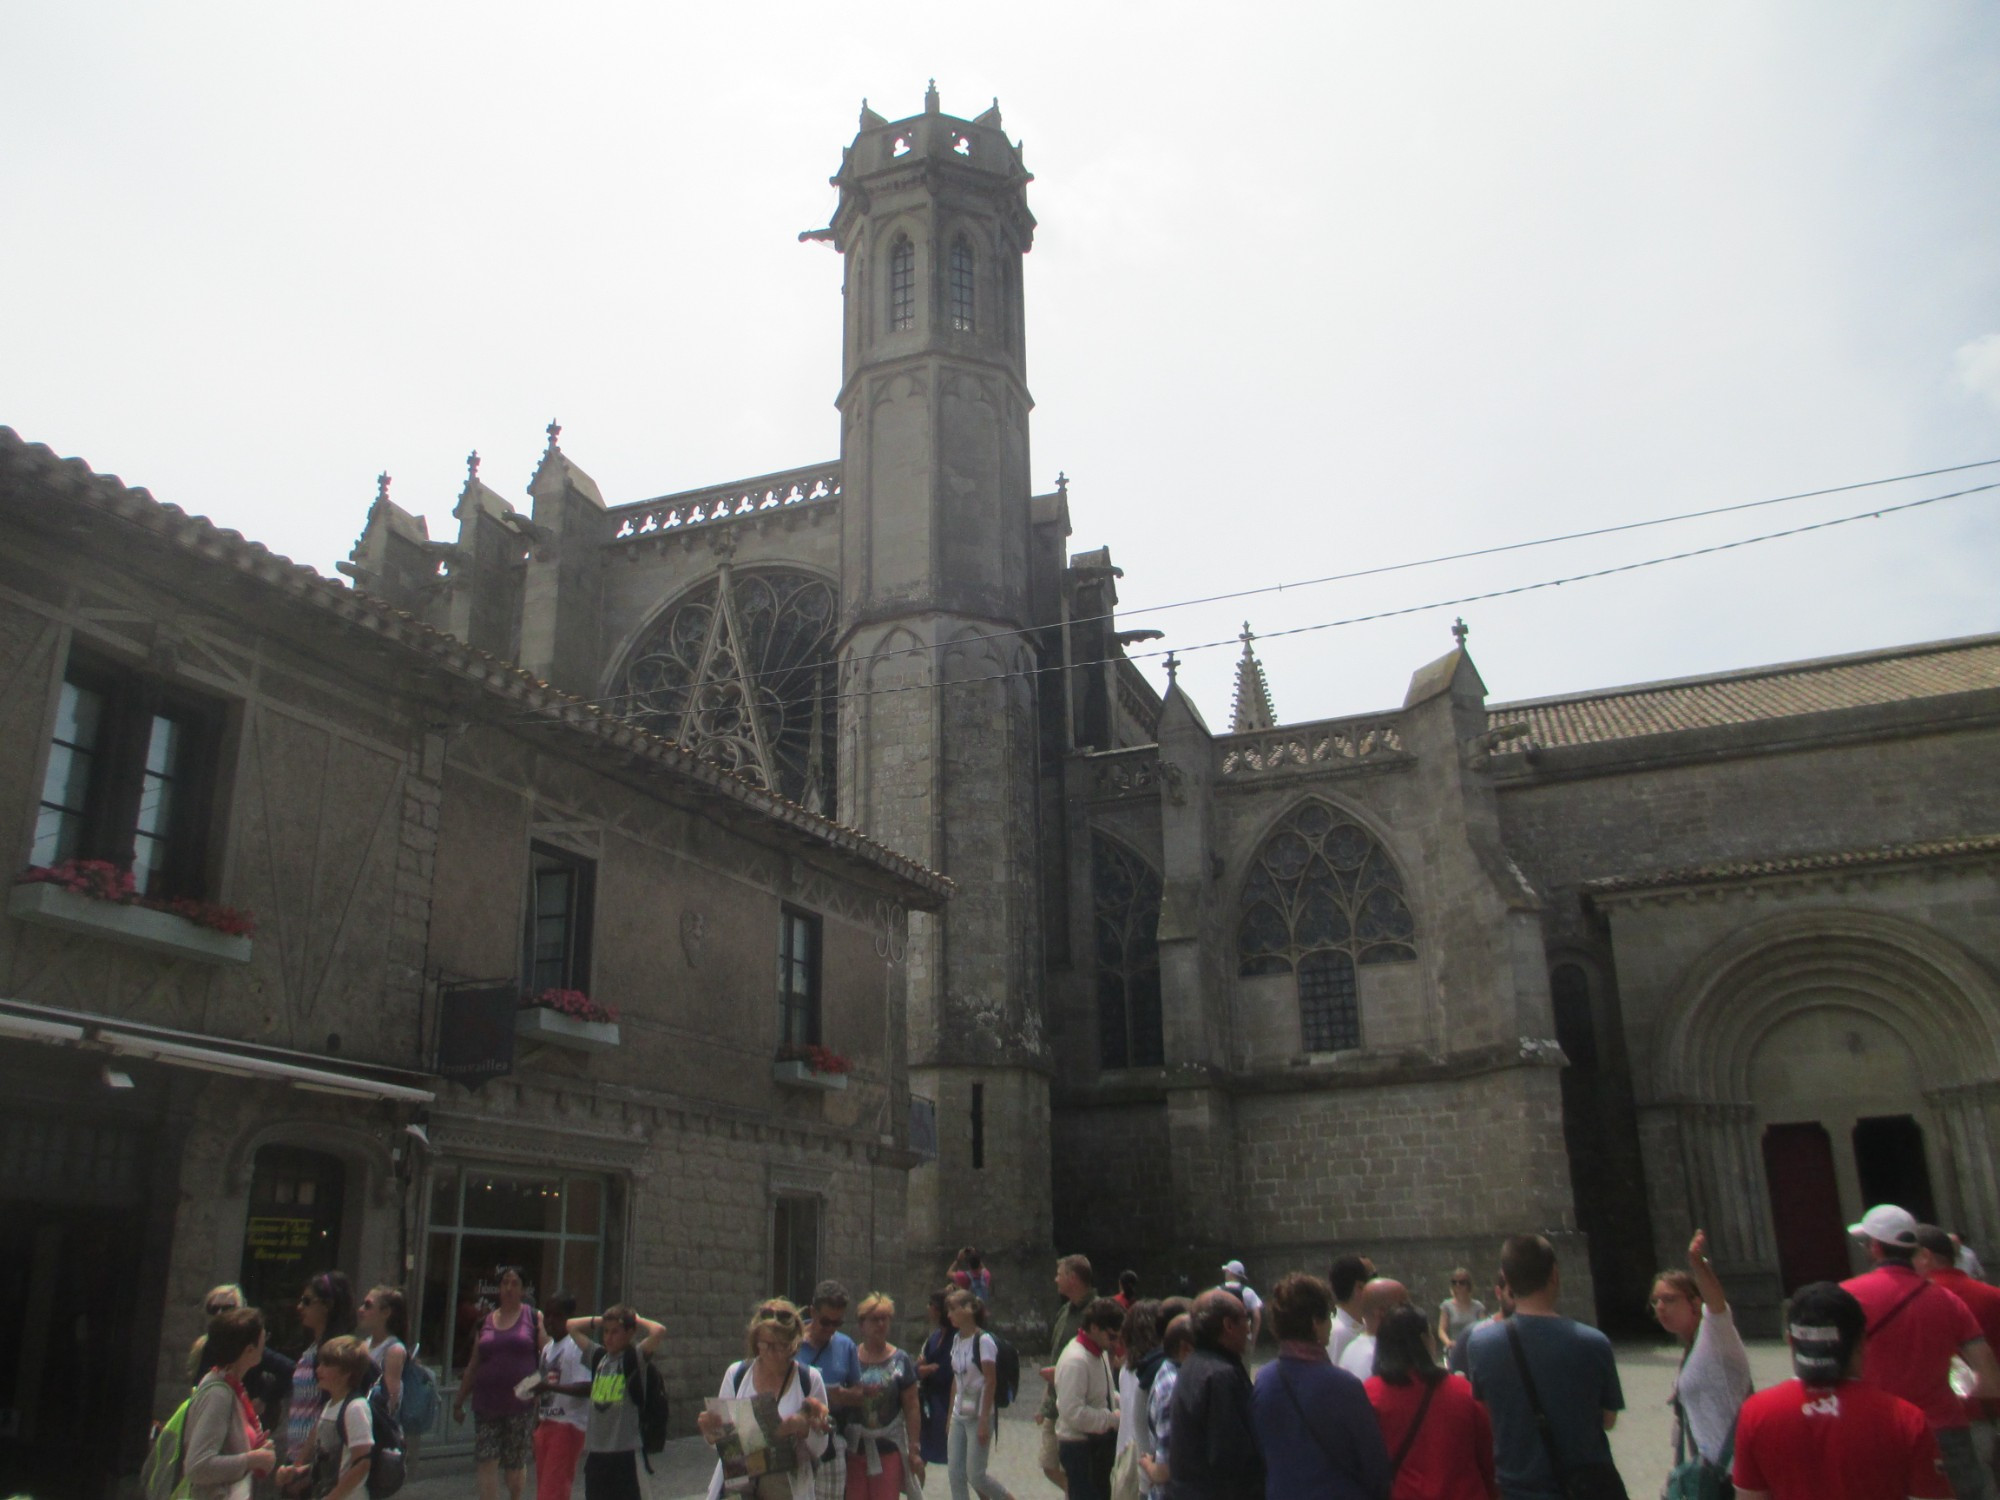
(1322, 898)
(961, 285)
(741, 672)
(902, 284)
(1125, 894)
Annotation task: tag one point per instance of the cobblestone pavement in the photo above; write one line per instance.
(1641, 1443)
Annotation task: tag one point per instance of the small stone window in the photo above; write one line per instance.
(961, 285)
(902, 285)
(1126, 897)
(558, 937)
(798, 979)
(1322, 899)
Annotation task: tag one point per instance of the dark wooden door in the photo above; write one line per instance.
(1805, 1204)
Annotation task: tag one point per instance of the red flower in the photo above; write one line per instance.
(101, 880)
(574, 1004)
(817, 1058)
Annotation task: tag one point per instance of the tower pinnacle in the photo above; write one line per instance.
(1252, 709)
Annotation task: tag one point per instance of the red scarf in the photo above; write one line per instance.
(1089, 1343)
(253, 1430)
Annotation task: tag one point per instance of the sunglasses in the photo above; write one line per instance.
(783, 1316)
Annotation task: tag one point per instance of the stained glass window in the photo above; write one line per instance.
(1126, 894)
(743, 675)
(1323, 897)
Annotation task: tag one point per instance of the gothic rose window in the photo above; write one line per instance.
(1126, 895)
(1322, 898)
(902, 285)
(961, 285)
(741, 672)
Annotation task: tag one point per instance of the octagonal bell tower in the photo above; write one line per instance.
(937, 715)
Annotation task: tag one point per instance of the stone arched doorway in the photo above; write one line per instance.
(1816, 1063)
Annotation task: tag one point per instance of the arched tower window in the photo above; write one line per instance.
(961, 285)
(741, 672)
(902, 284)
(1323, 897)
(1126, 896)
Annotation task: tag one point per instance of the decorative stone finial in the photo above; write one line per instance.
(1253, 708)
(554, 430)
(382, 488)
(931, 98)
(1173, 666)
(472, 466)
(1062, 485)
(1459, 631)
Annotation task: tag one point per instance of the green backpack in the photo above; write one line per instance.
(161, 1479)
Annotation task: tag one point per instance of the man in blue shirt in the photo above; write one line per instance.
(831, 1352)
(1575, 1378)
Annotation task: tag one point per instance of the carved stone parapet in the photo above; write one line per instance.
(1334, 745)
(1119, 774)
(726, 502)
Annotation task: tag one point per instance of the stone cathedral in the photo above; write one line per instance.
(1720, 951)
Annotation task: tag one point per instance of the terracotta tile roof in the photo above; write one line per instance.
(70, 479)
(1900, 675)
(1973, 846)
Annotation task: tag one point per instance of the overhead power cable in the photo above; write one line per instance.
(1400, 567)
(1457, 601)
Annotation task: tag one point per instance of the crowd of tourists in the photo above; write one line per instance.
(1895, 1394)
(1370, 1398)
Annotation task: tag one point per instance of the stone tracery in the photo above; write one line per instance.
(741, 672)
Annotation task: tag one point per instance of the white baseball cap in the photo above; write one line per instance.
(1888, 1225)
(1235, 1268)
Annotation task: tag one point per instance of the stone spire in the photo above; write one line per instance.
(1253, 694)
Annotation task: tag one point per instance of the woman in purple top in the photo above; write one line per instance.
(508, 1351)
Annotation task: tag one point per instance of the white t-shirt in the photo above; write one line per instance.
(1346, 1329)
(562, 1363)
(1714, 1381)
(968, 1379)
(356, 1432)
(1358, 1358)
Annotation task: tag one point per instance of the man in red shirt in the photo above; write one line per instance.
(1914, 1329)
(1937, 1260)
(1824, 1435)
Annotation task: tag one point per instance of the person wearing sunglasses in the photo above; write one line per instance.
(326, 1310)
(772, 1370)
(1460, 1310)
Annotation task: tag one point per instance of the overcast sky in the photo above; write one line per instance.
(1316, 287)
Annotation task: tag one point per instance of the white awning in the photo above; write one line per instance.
(20, 1021)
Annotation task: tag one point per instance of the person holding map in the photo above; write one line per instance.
(769, 1420)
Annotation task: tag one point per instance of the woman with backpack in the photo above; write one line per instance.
(771, 1370)
(613, 1435)
(1439, 1438)
(384, 1321)
(223, 1445)
(975, 1388)
(507, 1352)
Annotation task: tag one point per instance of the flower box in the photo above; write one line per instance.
(136, 926)
(798, 1073)
(559, 1030)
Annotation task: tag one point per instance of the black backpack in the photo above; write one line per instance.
(647, 1390)
(386, 1468)
(1006, 1371)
